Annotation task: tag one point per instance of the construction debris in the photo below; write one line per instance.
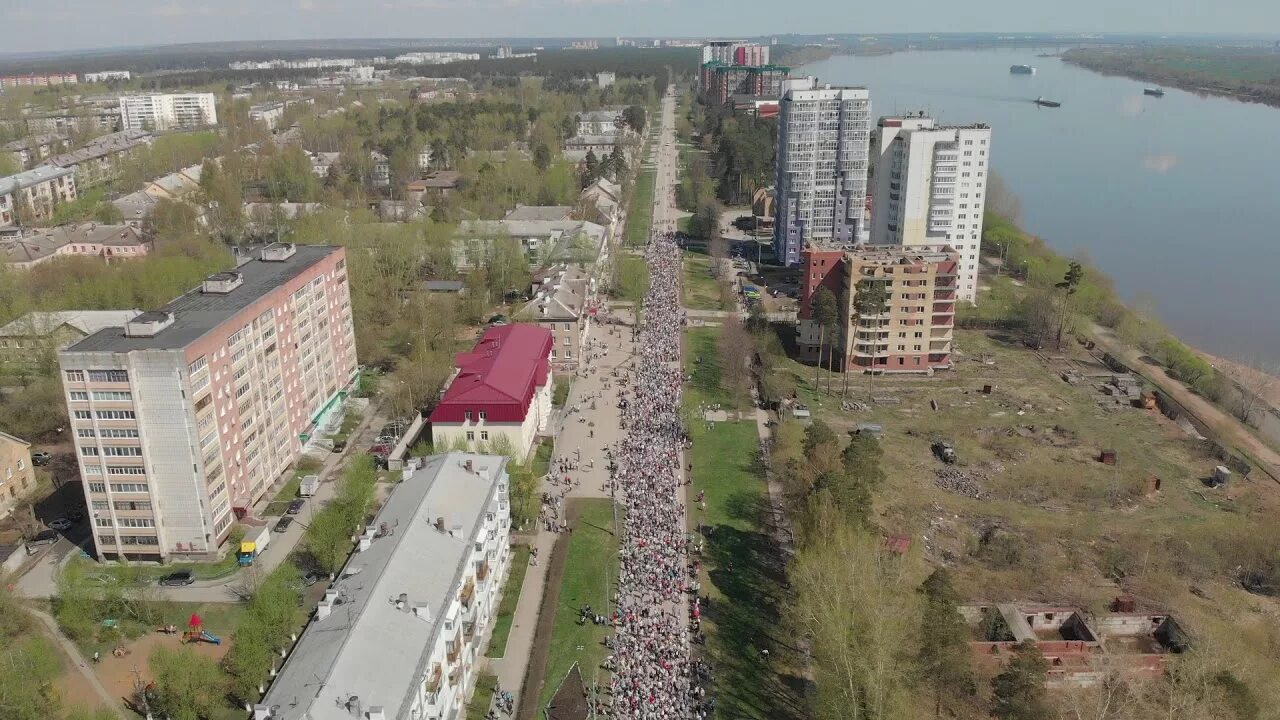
(961, 482)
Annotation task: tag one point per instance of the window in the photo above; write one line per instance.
(97, 488)
(484, 435)
(484, 415)
(118, 433)
(120, 451)
(136, 522)
(102, 522)
(108, 376)
(75, 376)
(22, 464)
(89, 451)
(139, 540)
(84, 432)
(470, 436)
(116, 415)
(128, 487)
(106, 540)
(126, 470)
(200, 364)
(79, 395)
(112, 395)
(98, 504)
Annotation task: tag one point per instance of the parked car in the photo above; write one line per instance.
(42, 538)
(283, 524)
(40, 458)
(295, 507)
(60, 524)
(180, 578)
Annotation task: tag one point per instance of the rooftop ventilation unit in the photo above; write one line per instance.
(221, 283)
(148, 324)
(278, 252)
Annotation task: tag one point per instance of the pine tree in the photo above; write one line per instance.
(1018, 690)
(944, 651)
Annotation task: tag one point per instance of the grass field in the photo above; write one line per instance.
(591, 571)
(510, 597)
(702, 361)
(742, 568)
(486, 684)
(701, 290)
(640, 211)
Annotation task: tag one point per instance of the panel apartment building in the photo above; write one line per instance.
(915, 333)
(184, 417)
(823, 139)
(167, 112)
(931, 187)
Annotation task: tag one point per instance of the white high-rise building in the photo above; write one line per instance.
(823, 138)
(167, 112)
(931, 187)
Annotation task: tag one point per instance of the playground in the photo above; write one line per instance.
(123, 667)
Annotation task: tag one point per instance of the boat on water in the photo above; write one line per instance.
(1154, 92)
(1021, 70)
(1047, 103)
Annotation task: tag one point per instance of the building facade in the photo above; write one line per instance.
(931, 186)
(17, 81)
(108, 242)
(722, 81)
(31, 151)
(562, 303)
(914, 333)
(823, 139)
(184, 417)
(404, 637)
(31, 196)
(17, 477)
(167, 112)
(735, 52)
(100, 159)
(501, 393)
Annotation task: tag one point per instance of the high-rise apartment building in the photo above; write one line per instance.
(913, 334)
(185, 416)
(931, 187)
(823, 138)
(167, 112)
(735, 52)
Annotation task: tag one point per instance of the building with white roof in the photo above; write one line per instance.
(31, 196)
(400, 633)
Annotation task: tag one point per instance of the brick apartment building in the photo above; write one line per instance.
(913, 336)
(184, 417)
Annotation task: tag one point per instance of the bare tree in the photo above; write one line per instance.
(1254, 382)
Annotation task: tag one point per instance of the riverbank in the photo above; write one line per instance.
(1234, 73)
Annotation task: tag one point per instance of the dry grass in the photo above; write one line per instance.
(1055, 524)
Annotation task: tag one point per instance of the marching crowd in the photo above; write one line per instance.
(652, 673)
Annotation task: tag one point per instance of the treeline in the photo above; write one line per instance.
(571, 66)
(1244, 73)
(743, 149)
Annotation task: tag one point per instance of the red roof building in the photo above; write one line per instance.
(502, 389)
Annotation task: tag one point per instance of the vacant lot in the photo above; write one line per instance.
(1029, 512)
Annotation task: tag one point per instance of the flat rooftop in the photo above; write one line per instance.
(196, 313)
(367, 647)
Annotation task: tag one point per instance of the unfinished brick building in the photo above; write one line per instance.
(1081, 648)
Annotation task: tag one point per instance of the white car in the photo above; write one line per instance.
(60, 524)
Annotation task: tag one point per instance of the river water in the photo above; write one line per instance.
(1177, 198)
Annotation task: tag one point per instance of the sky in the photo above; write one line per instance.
(53, 25)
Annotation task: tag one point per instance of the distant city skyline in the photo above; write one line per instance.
(58, 25)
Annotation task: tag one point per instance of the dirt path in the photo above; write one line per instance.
(1231, 430)
(81, 666)
(536, 670)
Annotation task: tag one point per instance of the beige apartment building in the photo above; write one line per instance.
(17, 477)
(185, 416)
(31, 196)
(913, 335)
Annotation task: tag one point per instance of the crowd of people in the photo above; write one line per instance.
(652, 674)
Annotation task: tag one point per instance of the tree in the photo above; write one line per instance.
(590, 168)
(870, 302)
(1069, 285)
(944, 658)
(171, 219)
(189, 686)
(542, 157)
(618, 162)
(634, 117)
(1019, 691)
(825, 315)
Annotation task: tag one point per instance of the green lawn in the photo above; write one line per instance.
(510, 596)
(701, 290)
(591, 571)
(702, 361)
(289, 492)
(486, 684)
(640, 211)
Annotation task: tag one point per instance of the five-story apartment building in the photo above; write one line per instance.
(184, 417)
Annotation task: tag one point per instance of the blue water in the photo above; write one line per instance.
(1174, 197)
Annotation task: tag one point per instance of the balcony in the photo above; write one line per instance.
(944, 308)
(468, 593)
(434, 682)
(948, 294)
(482, 572)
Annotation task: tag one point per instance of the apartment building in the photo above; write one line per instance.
(17, 81)
(17, 477)
(185, 416)
(823, 141)
(107, 76)
(31, 151)
(721, 81)
(31, 196)
(563, 304)
(108, 242)
(167, 112)
(931, 187)
(501, 392)
(100, 159)
(401, 632)
(79, 120)
(913, 335)
(735, 52)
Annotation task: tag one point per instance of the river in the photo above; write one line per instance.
(1175, 197)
